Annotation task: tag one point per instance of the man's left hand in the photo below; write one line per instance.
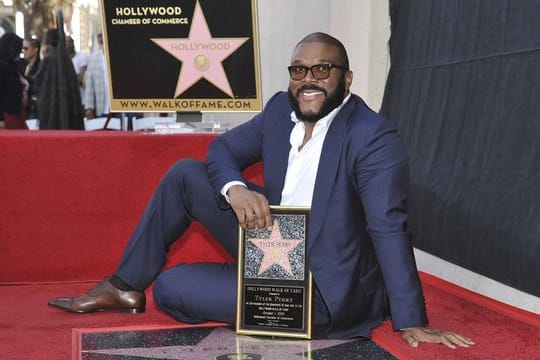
(415, 335)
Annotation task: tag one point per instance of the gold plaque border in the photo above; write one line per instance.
(307, 334)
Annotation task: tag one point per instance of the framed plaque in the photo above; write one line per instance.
(274, 283)
(182, 55)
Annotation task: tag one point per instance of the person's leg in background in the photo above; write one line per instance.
(15, 121)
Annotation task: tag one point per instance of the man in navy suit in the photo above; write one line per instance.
(322, 147)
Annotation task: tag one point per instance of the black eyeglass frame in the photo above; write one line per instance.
(305, 70)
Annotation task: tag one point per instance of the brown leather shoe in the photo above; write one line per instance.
(103, 297)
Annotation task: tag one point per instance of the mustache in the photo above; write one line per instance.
(310, 87)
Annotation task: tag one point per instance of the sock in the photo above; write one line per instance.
(120, 284)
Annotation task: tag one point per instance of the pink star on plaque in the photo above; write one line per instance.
(201, 55)
(276, 250)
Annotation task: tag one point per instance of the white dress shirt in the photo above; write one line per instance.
(303, 164)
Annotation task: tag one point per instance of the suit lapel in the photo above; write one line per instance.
(278, 159)
(328, 166)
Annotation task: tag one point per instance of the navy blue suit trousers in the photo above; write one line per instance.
(184, 194)
(191, 293)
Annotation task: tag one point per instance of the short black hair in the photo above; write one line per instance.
(35, 43)
(327, 39)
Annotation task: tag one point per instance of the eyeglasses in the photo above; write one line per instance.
(319, 71)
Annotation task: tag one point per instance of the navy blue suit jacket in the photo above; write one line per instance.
(359, 249)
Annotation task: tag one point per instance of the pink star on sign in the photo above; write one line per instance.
(201, 55)
(276, 250)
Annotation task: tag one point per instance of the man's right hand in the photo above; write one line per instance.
(251, 208)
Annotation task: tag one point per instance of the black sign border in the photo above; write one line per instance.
(188, 104)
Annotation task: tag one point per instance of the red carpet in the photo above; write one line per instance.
(499, 331)
(64, 194)
(29, 329)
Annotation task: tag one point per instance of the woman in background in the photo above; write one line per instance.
(31, 52)
(13, 85)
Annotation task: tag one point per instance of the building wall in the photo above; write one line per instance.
(362, 26)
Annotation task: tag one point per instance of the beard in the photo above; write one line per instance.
(333, 100)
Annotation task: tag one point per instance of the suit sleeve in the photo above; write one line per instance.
(232, 152)
(382, 175)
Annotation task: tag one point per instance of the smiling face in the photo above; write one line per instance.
(312, 98)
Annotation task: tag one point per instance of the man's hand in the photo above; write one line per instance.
(416, 335)
(89, 114)
(251, 208)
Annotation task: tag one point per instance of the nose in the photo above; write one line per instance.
(309, 77)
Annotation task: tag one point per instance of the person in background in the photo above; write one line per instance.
(96, 94)
(32, 55)
(14, 87)
(31, 51)
(80, 62)
(59, 103)
(321, 147)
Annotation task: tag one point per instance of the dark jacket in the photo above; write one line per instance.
(359, 250)
(11, 87)
(59, 100)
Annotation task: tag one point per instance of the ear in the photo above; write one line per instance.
(348, 79)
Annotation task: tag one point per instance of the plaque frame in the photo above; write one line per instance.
(143, 41)
(274, 297)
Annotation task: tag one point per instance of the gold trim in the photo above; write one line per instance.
(308, 306)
